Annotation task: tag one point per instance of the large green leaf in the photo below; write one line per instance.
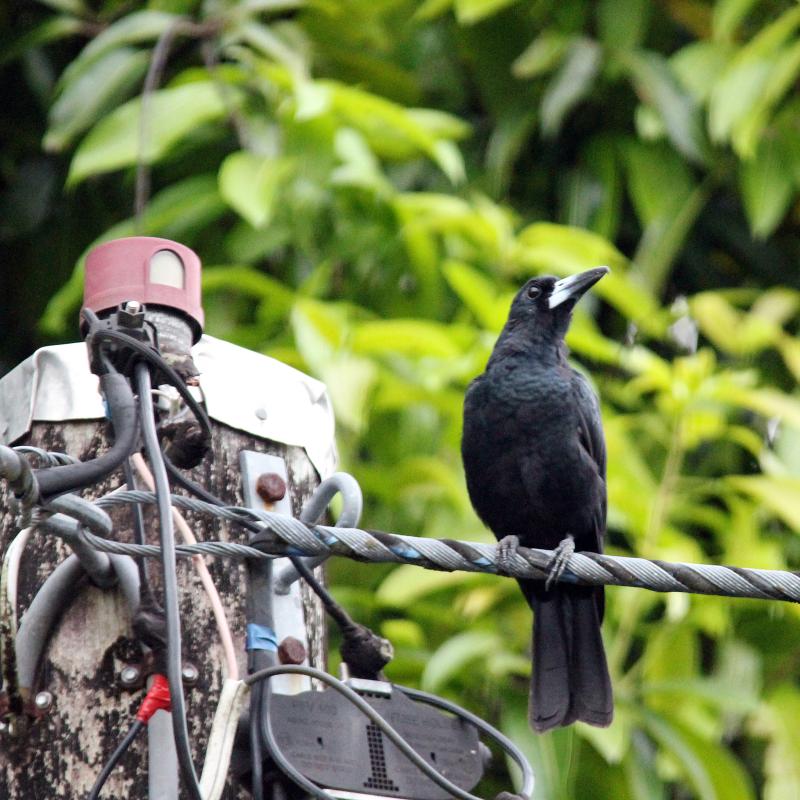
(134, 28)
(543, 54)
(570, 84)
(455, 654)
(551, 755)
(717, 318)
(413, 337)
(728, 14)
(172, 115)
(748, 133)
(699, 65)
(656, 83)
(406, 584)
(709, 766)
(622, 23)
(777, 720)
(251, 184)
(779, 494)
(108, 80)
(469, 12)
(240, 279)
(744, 82)
(396, 132)
(478, 293)
(50, 30)
(767, 188)
(69, 6)
(651, 167)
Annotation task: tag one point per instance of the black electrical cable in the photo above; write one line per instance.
(98, 335)
(386, 728)
(501, 739)
(276, 754)
(170, 580)
(112, 762)
(140, 538)
(54, 481)
(257, 769)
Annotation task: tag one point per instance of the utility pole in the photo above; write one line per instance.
(58, 732)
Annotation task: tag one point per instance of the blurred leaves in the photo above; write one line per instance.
(172, 114)
(371, 184)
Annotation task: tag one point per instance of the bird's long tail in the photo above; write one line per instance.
(570, 679)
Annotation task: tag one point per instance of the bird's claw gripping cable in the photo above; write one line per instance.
(558, 563)
(506, 549)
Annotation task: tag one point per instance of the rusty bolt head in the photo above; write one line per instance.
(291, 651)
(189, 673)
(270, 487)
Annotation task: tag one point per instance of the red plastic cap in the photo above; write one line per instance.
(144, 268)
(157, 698)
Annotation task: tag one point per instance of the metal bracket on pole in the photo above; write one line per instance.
(287, 609)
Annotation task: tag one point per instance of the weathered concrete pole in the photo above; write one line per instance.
(89, 685)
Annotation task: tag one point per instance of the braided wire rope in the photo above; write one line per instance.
(288, 536)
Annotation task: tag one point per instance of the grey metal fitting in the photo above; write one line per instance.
(189, 673)
(352, 503)
(130, 676)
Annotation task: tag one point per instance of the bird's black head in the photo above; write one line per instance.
(544, 304)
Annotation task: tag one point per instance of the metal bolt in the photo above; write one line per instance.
(270, 487)
(43, 701)
(189, 673)
(261, 413)
(133, 306)
(291, 651)
(130, 676)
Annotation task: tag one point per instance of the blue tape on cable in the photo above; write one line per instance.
(260, 637)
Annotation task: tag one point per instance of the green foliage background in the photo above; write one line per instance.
(367, 181)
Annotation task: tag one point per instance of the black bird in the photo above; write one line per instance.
(535, 462)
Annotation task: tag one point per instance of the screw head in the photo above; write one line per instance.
(291, 651)
(43, 701)
(130, 675)
(17, 726)
(133, 306)
(271, 487)
(189, 673)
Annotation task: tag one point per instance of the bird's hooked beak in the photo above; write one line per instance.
(573, 287)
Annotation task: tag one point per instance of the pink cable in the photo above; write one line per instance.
(224, 630)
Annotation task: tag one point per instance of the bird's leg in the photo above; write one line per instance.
(506, 550)
(559, 560)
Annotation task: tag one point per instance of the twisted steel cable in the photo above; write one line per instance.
(288, 536)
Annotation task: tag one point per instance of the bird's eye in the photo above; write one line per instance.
(534, 292)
